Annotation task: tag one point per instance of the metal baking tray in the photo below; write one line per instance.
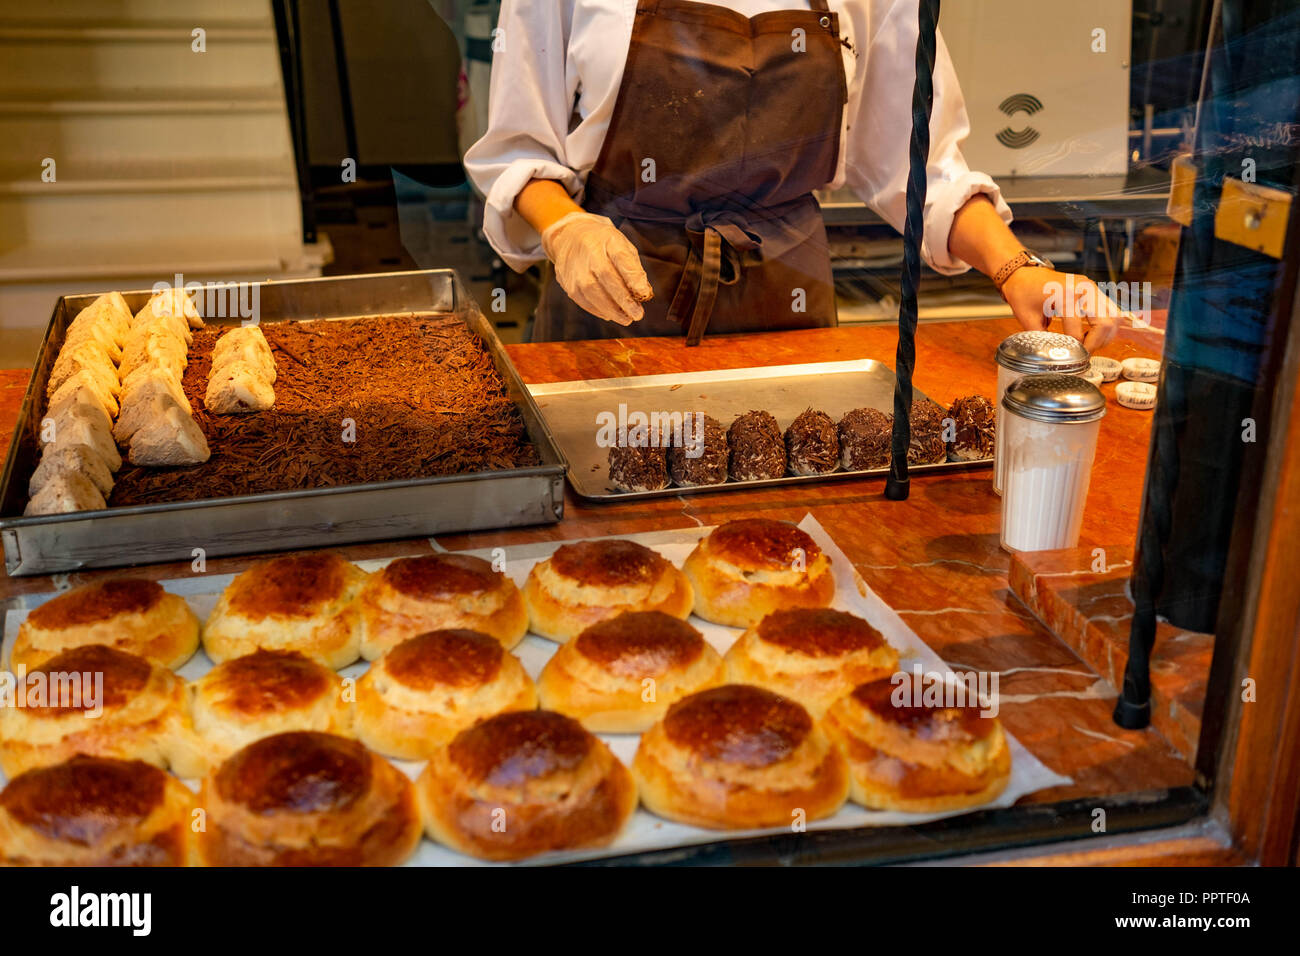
(142, 534)
(570, 408)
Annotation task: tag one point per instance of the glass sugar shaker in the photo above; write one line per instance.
(1026, 353)
(1051, 427)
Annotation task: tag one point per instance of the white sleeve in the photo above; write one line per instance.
(876, 161)
(530, 100)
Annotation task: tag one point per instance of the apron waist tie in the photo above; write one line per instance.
(721, 239)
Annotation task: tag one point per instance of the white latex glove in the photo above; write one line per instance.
(598, 266)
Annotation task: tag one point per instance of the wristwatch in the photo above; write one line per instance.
(1020, 260)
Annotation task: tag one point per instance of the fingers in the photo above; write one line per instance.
(1103, 330)
(1073, 323)
(621, 279)
(597, 301)
(1104, 320)
(1081, 310)
(1031, 321)
(612, 285)
(628, 262)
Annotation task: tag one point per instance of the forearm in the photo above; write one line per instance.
(980, 237)
(543, 202)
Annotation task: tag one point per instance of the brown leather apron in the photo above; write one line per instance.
(723, 126)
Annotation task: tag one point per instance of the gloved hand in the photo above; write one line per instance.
(598, 266)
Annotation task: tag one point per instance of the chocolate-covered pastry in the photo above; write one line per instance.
(757, 450)
(927, 446)
(708, 444)
(976, 423)
(865, 435)
(638, 467)
(811, 444)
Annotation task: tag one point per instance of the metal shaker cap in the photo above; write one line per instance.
(1042, 352)
(1055, 399)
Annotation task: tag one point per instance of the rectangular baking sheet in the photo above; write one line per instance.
(570, 408)
(142, 534)
(646, 832)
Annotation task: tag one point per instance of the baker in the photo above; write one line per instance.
(663, 155)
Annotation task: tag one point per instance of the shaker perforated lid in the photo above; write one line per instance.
(1055, 399)
(1042, 352)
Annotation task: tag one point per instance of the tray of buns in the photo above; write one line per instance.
(686, 432)
(546, 703)
(349, 408)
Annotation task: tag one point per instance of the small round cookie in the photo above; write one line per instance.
(264, 693)
(1141, 369)
(307, 799)
(525, 783)
(746, 569)
(812, 655)
(1108, 368)
(739, 757)
(430, 687)
(914, 758)
(100, 701)
(298, 602)
(589, 581)
(96, 811)
(620, 675)
(131, 614)
(1139, 395)
(437, 591)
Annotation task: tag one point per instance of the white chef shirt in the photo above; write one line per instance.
(563, 58)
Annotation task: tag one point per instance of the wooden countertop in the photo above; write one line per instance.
(934, 558)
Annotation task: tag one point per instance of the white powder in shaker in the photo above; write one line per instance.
(1047, 474)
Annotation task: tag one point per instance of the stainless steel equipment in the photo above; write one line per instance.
(142, 534)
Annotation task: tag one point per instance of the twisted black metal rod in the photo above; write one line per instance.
(1195, 252)
(1133, 709)
(896, 485)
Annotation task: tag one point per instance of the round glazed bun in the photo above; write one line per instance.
(264, 693)
(307, 799)
(301, 602)
(813, 655)
(589, 581)
(914, 758)
(746, 569)
(435, 592)
(130, 614)
(620, 675)
(524, 783)
(95, 811)
(428, 688)
(142, 713)
(739, 757)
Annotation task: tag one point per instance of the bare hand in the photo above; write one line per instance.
(1040, 296)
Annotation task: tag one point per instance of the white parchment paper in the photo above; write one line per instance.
(645, 831)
